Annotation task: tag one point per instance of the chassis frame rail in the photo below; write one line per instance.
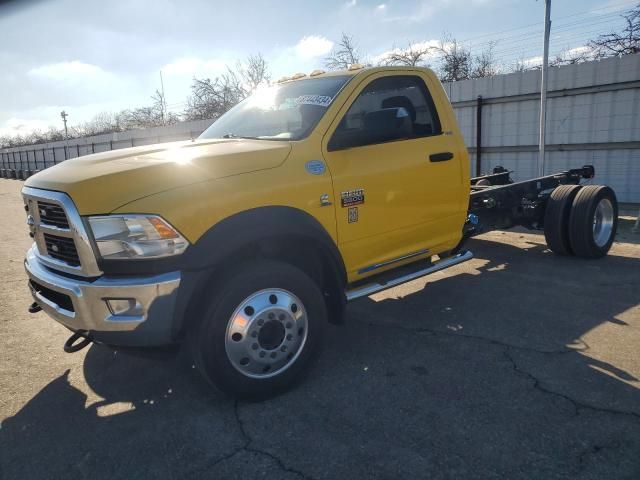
(496, 202)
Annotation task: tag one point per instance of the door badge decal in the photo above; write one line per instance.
(353, 215)
(352, 197)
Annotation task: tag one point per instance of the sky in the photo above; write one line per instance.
(89, 56)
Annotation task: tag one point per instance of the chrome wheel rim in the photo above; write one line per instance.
(266, 333)
(603, 222)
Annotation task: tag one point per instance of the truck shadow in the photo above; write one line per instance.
(538, 306)
(151, 415)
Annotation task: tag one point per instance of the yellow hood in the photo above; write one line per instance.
(102, 182)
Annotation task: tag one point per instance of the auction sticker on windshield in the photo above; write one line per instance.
(319, 100)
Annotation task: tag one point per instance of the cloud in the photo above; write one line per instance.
(313, 46)
(67, 71)
(414, 47)
(192, 66)
(351, 3)
(20, 126)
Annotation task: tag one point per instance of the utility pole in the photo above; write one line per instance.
(543, 86)
(64, 116)
(164, 101)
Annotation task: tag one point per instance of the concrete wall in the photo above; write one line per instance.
(593, 117)
(37, 157)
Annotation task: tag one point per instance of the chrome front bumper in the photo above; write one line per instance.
(82, 304)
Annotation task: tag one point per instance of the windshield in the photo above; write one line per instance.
(280, 112)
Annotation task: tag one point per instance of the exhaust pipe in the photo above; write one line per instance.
(70, 346)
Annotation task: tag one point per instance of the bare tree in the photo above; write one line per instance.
(484, 65)
(456, 62)
(414, 55)
(345, 53)
(254, 72)
(211, 98)
(154, 115)
(572, 56)
(620, 43)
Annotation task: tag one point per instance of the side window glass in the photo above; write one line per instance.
(388, 109)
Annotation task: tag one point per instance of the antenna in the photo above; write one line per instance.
(164, 101)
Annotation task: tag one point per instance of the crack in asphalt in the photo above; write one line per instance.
(594, 450)
(248, 441)
(246, 447)
(577, 405)
(585, 346)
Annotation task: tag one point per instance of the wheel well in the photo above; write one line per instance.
(307, 254)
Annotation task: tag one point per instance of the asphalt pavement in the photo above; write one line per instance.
(517, 364)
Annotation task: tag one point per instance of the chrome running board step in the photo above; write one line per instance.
(375, 287)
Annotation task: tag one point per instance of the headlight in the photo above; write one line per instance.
(135, 236)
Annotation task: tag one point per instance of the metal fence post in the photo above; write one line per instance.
(479, 136)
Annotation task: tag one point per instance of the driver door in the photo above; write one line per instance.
(394, 202)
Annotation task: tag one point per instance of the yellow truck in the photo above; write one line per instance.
(245, 242)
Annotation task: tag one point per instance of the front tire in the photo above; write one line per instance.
(261, 329)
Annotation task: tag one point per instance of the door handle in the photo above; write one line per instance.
(440, 157)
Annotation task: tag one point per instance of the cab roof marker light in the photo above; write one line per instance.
(298, 75)
(355, 66)
(315, 73)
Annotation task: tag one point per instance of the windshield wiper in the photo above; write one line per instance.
(233, 135)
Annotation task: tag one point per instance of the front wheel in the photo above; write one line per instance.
(260, 330)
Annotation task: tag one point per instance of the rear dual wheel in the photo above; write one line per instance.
(581, 221)
(593, 221)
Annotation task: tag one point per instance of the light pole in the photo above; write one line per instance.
(543, 86)
(64, 116)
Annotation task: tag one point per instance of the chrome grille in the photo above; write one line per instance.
(62, 248)
(52, 214)
(60, 235)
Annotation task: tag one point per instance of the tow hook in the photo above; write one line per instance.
(34, 308)
(70, 346)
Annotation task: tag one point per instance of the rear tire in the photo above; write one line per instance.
(260, 330)
(556, 218)
(593, 221)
